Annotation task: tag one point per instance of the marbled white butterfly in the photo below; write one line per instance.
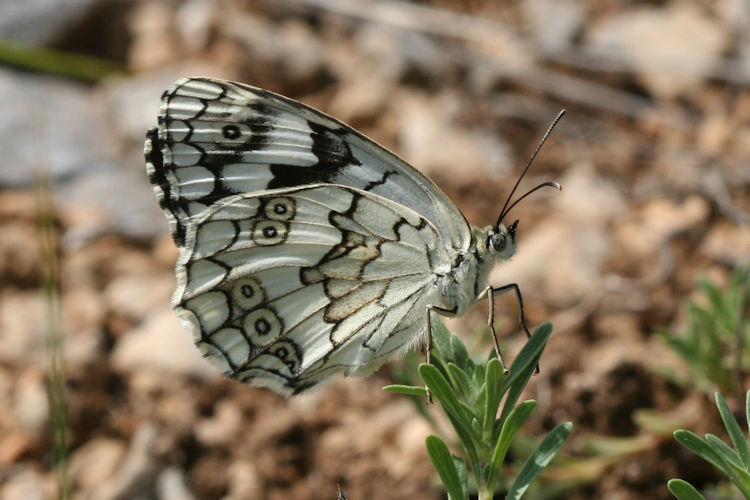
(306, 249)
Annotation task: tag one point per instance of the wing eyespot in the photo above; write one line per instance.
(262, 326)
(280, 208)
(230, 132)
(248, 293)
(269, 232)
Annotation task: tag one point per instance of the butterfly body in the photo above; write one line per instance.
(306, 249)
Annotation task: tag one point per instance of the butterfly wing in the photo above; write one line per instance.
(285, 287)
(216, 139)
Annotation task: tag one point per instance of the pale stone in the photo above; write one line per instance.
(96, 461)
(160, 344)
(672, 48)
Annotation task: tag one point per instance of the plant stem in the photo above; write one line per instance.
(50, 283)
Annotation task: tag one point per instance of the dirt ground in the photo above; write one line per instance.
(652, 156)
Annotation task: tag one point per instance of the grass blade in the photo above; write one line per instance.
(734, 431)
(442, 460)
(682, 490)
(541, 457)
(409, 390)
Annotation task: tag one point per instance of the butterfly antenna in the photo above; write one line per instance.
(507, 208)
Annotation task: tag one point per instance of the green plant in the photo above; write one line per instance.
(733, 463)
(712, 342)
(470, 394)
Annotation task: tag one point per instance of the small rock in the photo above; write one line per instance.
(643, 235)
(27, 484)
(426, 57)
(83, 308)
(21, 334)
(195, 21)
(560, 260)
(13, 445)
(96, 462)
(8, 377)
(178, 406)
(727, 243)
(426, 123)
(623, 327)
(40, 22)
(290, 49)
(160, 344)
(129, 210)
(136, 477)
(360, 99)
(31, 409)
(137, 296)
(380, 55)
(243, 481)
(171, 484)
(165, 252)
(17, 264)
(407, 447)
(715, 132)
(733, 13)
(554, 22)
(587, 196)
(67, 125)
(673, 48)
(221, 429)
(299, 50)
(83, 317)
(366, 433)
(154, 43)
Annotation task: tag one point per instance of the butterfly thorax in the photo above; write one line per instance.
(471, 268)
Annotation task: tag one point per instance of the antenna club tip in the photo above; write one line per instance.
(558, 186)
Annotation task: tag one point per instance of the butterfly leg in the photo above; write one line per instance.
(448, 313)
(489, 293)
(492, 292)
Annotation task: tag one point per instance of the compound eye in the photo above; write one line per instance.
(497, 241)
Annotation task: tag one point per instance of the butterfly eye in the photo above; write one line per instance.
(497, 241)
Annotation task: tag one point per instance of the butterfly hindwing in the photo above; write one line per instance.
(216, 139)
(285, 287)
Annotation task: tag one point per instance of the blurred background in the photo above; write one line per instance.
(637, 263)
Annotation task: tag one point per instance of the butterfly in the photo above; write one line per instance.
(306, 249)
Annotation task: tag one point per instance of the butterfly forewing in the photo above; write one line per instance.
(216, 139)
(285, 287)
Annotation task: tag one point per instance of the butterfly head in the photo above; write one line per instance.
(501, 240)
